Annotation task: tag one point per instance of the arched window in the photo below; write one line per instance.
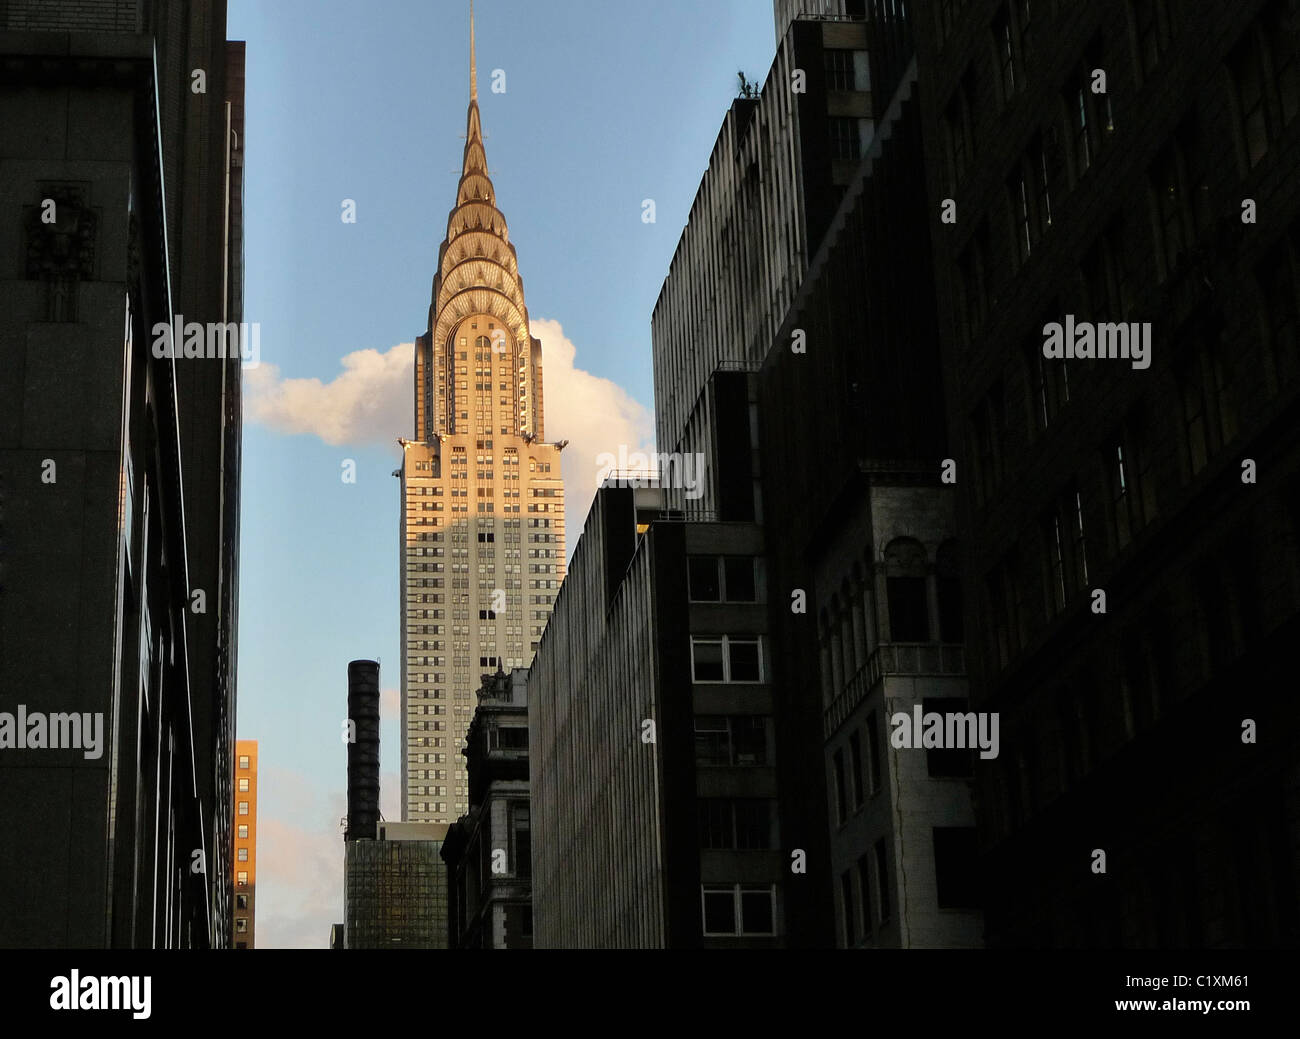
(905, 572)
(948, 580)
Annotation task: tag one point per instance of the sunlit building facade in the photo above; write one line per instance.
(482, 522)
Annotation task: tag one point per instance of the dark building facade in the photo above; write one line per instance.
(846, 413)
(121, 174)
(488, 850)
(1124, 179)
(656, 822)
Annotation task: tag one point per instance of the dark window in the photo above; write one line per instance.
(955, 867)
(1248, 75)
(1023, 224)
(855, 765)
(745, 665)
(749, 740)
(845, 138)
(841, 800)
(1004, 47)
(948, 580)
(522, 839)
(719, 911)
(707, 656)
(909, 614)
(1151, 20)
(839, 70)
(846, 904)
(1280, 289)
(703, 578)
(756, 910)
(715, 823)
(873, 752)
(712, 740)
(950, 762)
(739, 575)
(864, 885)
(753, 823)
(241, 901)
(1169, 184)
(882, 880)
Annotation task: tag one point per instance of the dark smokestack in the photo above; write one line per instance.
(363, 755)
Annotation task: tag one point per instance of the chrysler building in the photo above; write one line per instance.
(482, 527)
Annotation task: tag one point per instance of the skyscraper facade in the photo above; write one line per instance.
(1130, 523)
(121, 137)
(482, 522)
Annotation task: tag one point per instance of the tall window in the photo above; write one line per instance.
(849, 913)
(521, 839)
(1172, 209)
(1153, 32)
(1265, 81)
(1023, 220)
(948, 586)
(840, 74)
(837, 776)
(1004, 47)
(882, 881)
(855, 768)
(873, 752)
(1280, 290)
(905, 570)
(1121, 497)
(845, 138)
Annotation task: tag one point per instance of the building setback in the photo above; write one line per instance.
(1126, 161)
(481, 492)
(489, 850)
(119, 470)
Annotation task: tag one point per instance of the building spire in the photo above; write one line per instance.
(473, 59)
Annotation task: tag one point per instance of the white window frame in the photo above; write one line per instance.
(737, 907)
(726, 641)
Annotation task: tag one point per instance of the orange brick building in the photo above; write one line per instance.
(245, 842)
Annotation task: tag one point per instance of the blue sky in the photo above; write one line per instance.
(606, 104)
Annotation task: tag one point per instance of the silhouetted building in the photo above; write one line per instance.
(488, 851)
(1120, 288)
(119, 471)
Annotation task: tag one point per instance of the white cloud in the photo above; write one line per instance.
(371, 401)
